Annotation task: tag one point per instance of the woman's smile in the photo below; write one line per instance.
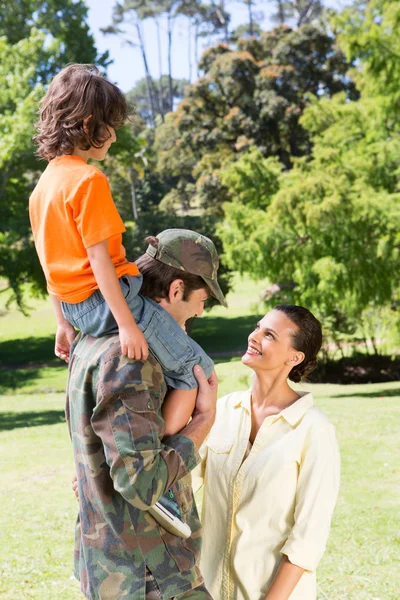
(253, 351)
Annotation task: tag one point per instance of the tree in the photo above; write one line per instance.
(252, 96)
(19, 97)
(138, 96)
(64, 20)
(251, 27)
(304, 11)
(38, 39)
(301, 11)
(127, 16)
(326, 232)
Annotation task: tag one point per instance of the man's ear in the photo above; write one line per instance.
(176, 290)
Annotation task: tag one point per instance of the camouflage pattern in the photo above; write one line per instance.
(192, 252)
(114, 417)
(153, 592)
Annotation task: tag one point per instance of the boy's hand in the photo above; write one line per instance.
(133, 342)
(64, 337)
(74, 484)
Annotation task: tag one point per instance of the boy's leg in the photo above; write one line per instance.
(176, 352)
(93, 316)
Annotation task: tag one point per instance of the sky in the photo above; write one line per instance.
(127, 65)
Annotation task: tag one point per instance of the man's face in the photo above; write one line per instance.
(182, 310)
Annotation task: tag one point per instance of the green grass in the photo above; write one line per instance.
(38, 508)
(26, 339)
(222, 330)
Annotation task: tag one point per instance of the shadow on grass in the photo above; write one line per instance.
(13, 380)
(13, 420)
(219, 334)
(375, 394)
(27, 351)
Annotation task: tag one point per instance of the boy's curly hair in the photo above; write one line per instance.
(76, 110)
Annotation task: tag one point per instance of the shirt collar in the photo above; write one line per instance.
(245, 401)
(292, 414)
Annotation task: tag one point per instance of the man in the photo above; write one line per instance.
(123, 462)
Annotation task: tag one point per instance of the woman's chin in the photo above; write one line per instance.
(247, 359)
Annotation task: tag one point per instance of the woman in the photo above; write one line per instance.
(271, 471)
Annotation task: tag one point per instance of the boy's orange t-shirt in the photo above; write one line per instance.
(71, 208)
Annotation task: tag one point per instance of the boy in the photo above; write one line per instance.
(78, 234)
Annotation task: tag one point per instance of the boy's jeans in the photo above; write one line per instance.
(176, 352)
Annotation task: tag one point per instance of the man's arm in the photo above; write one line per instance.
(204, 413)
(141, 466)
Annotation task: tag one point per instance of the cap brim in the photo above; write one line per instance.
(215, 290)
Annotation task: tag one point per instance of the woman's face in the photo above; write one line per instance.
(270, 344)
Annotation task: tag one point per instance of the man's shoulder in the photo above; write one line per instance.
(116, 371)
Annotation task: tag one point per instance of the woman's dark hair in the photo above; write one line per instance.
(307, 338)
(76, 110)
(157, 277)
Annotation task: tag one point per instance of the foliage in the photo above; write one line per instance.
(329, 238)
(38, 38)
(251, 96)
(138, 96)
(61, 20)
(19, 96)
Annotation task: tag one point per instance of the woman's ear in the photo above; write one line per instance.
(296, 358)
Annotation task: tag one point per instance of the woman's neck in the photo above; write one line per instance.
(269, 391)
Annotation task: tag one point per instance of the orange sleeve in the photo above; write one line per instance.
(95, 213)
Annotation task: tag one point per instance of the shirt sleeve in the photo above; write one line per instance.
(316, 495)
(130, 427)
(95, 213)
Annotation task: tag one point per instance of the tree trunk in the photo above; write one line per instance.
(222, 20)
(190, 50)
(303, 11)
(132, 173)
(281, 12)
(196, 48)
(374, 345)
(171, 101)
(149, 80)
(160, 88)
(251, 31)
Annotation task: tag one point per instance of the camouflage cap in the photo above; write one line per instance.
(191, 252)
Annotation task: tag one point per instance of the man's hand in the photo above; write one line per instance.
(204, 412)
(207, 393)
(74, 484)
(64, 337)
(133, 342)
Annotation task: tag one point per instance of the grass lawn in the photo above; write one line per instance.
(38, 507)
